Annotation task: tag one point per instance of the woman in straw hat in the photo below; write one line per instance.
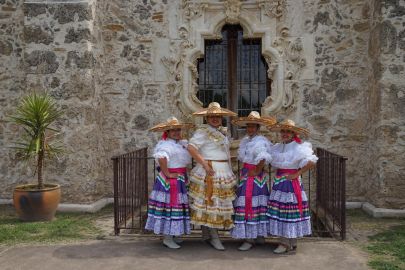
(288, 209)
(168, 207)
(211, 180)
(252, 193)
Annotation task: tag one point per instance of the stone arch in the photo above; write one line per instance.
(212, 30)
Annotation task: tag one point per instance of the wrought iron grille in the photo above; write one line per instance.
(233, 72)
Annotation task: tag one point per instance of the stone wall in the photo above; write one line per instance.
(58, 54)
(12, 86)
(332, 105)
(108, 65)
(387, 104)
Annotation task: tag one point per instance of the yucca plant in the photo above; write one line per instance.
(35, 114)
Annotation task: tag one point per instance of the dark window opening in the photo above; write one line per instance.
(233, 73)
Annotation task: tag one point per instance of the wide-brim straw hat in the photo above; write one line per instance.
(171, 123)
(214, 109)
(289, 125)
(254, 118)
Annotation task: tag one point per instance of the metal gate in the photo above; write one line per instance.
(130, 172)
(325, 187)
(330, 204)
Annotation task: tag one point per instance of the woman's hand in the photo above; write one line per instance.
(257, 170)
(292, 176)
(197, 156)
(173, 175)
(208, 169)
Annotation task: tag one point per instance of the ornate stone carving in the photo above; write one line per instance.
(172, 65)
(292, 52)
(273, 8)
(175, 64)
(295, 58)
(290, 88)
(272, 66)
(284, 56)
(192, 9)
(232, 11)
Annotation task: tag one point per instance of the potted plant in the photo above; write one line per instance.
(35, 114)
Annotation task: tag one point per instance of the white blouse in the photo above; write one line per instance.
(253, 150)
(175, 152)
(211, 143)
(292, 155)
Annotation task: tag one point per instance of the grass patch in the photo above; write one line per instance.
(382, 238)
(65, 227)
(388, 249)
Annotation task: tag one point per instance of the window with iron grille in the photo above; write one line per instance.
(233, 73)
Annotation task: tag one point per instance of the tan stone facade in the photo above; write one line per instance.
(118, 67)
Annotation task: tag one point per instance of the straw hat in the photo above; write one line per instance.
(214, 109)
(289, 125)
(254, 118)
(171, 123)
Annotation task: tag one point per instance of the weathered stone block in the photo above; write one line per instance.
(81, 61)
(41, 62)
(141, 122)
(6, 48)
(331, 78)
(67, 13)
(388, 37)
(33, 10)
(35, 34)
(77, 35)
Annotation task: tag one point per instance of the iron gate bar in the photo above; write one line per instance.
(331, 192)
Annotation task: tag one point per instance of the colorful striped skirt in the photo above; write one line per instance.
(212, 197)
(250, 218)
(167, 214)
(288, 212)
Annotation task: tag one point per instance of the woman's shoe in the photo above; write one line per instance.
(217, 244)
(281, 249)
(168, 241)
(245, 246)
(214, 241)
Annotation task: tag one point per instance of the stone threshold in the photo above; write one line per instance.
(376, 212)
(57, 1)
(76, 207)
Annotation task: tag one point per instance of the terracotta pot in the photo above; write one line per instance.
(33, 204)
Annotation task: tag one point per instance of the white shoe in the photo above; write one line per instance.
(260, 240)
(245, 246)
(217, 244)
(280, 249)
(168, 241)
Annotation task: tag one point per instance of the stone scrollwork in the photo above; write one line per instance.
(194, 84)
(273, 8)
(204, 20)
(289, 92)
(232, 11)
(174, 65)
(292, 51)
(192, 9)
(295, 58)
(173, 87)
